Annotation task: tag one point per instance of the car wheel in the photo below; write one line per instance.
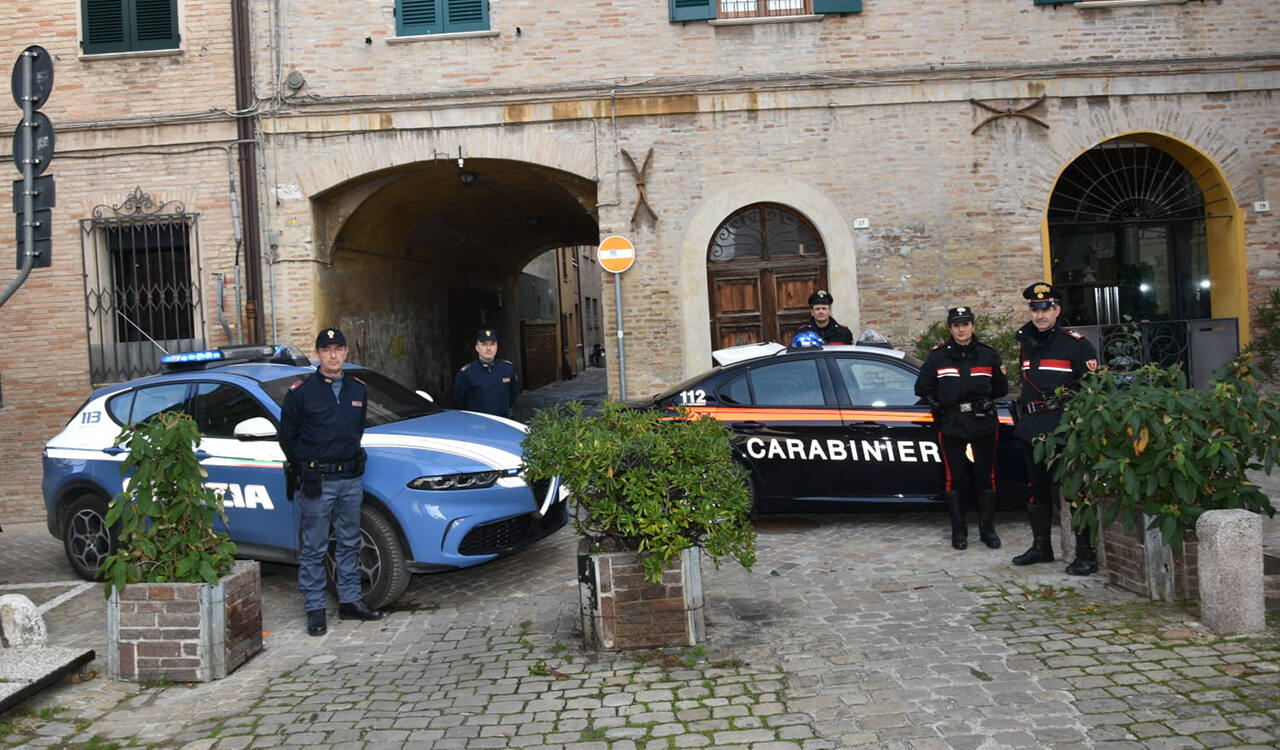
(85, 536)
(383, 573)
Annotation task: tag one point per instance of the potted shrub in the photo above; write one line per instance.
(1143, 456)
(649, 492)
(180, 607)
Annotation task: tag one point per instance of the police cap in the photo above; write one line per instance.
(820, 297)
(330, 336)
(1041, 295)
(960, 315)
(486, 334)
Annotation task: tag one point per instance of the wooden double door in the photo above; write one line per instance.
(753, 302)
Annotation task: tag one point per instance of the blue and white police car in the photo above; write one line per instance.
(443, 489)
(831, 428)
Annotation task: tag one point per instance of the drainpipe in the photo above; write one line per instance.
(246, 126)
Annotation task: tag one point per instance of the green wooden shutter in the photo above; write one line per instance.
(104, 26)
(466, 15)
(414, 17)
(1053, 2)
(692, 10)
(837, 6)
(155, 24)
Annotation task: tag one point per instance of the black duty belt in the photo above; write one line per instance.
(1037, 407)
(345, 467)
(964, 407)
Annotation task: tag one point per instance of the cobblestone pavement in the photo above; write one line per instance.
(853, 630)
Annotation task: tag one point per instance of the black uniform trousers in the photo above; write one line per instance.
(964, 477)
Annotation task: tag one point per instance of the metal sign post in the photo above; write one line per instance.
(616, 254)
(33, 195)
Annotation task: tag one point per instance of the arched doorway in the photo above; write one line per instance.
(763, 262)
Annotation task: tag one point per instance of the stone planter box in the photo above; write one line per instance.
(619, 609)
(1141, 562)
(185, 632)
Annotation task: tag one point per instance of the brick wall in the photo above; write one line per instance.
(540, 350)
(620, 609)
(1124, 558)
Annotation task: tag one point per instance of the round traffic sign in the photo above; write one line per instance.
(41, 76)
(616, 253)
(41, 139)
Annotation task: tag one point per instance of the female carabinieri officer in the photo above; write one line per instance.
(959, 379)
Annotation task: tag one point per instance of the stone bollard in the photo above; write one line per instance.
(1231, 598)
(21, 622)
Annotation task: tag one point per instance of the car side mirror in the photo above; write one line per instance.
(425, 395)
(255, 428)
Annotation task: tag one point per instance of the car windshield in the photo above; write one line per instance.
(388, 400)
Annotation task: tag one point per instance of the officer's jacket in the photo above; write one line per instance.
(317, 426)
(490, 388)
(833, 333)
(1059, 357)
(960, 382)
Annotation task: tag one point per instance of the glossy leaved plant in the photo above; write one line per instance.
(1142, 442)
(641, 480)
(165, 513)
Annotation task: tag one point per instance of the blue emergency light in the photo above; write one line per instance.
(182, 358)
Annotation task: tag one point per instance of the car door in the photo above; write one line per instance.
(248, 473)
(892, 447)
(787, 419)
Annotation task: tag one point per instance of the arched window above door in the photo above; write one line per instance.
(1123, 181)
(764, 230)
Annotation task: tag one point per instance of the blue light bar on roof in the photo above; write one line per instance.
(208, 355)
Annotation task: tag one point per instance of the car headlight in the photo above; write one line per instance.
(470, 481)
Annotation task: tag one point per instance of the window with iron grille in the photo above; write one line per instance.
(142, 295)
(128, 25)
(696, 10)
(416, 17)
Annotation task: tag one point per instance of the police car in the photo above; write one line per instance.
(824, 427)
(443, 489)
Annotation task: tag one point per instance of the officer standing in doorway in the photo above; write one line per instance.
(486, 384)
(1051, 357)
(821, 322)
(959, 379)
(321, 424)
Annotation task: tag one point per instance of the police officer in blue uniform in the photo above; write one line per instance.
(959, 379)
(1052, 356)
(321, 424)
(821, 322)
(486, 384)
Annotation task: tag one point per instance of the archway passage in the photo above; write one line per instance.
(763, 262)
(424, 254)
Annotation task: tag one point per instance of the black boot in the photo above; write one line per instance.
(959, 528)
(987, 519)
(1086, 561)
(1041, 550)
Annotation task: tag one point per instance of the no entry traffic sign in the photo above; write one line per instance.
(616, 253)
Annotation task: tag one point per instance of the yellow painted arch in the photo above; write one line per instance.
(1224, 234)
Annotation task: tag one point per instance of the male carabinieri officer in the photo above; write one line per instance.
(486, 384)
(1052, 357)
(821, 322)
(321, 424)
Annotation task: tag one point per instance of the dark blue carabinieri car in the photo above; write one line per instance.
(826, 427)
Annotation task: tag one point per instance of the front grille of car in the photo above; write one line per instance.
(496, 537)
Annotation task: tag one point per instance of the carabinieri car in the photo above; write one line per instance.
(822, 428)
(443, 489)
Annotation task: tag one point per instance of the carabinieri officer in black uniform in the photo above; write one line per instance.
(821, 322)
(487, 384)
(321, 424)
(1052, 357)
(959, 379)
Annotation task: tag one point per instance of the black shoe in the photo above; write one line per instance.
(1036, 553)
(988, 534)
(357, 611)
(1082, 567)
(315, 622)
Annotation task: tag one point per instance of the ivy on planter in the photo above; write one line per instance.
(165, 512)
(643, 481)
(1141, 442)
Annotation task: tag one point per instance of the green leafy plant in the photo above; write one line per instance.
(641, 480)
(165, 512)
(1264, 350)
(1141, 442)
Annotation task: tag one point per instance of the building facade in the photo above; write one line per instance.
(415, 155)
